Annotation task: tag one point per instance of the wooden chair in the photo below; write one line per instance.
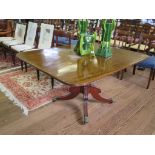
(151, 45)
(142, 45)
(62, 38)
(122, 38)
(137, 32)
(3, 24)
(45, 41)
(147, 28)
(29, 42)
(18, 38)
(6, 31)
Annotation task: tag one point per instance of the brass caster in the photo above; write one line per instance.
(86, 119)
(55, 99)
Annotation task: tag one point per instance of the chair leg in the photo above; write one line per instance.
(52, 82)
(25, 66)
(150, 77)
(21, 62)
(119, 44)
(13, 58)
(118, 73)
(4, 52)
(153, 74)
(125, 44)
(122, 72)
(134, 69)
(38, 75)
(122, 44)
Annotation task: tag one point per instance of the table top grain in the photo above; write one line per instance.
(64, 65)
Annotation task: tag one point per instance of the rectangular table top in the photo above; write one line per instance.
(64, 65)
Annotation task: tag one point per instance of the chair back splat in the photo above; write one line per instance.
(31, 34)
(20, 32)
(46, 36)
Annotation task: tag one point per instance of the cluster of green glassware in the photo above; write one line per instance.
(86, 42)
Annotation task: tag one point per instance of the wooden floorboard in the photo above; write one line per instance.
(133, 111)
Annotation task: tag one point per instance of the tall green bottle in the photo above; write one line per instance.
(107, 27)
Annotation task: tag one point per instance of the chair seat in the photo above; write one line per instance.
(142, 47)
(22, 47)
(12, 42)
(74, 42)
(148, 63)
(6, 39)
(117, 42)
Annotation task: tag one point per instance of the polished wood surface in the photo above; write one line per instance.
(65, 66)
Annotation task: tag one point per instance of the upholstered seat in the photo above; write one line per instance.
(6, 39)
(12, 42)
(114, 42)
(21, 48)
(140, 47)
(148, 63)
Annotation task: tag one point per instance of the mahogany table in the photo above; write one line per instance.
(79, 72)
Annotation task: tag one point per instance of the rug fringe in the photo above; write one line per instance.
(11, 69)
(13, 98)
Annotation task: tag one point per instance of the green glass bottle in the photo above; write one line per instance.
(85, 44)
(107, 27)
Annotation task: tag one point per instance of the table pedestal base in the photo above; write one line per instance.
(85, 90)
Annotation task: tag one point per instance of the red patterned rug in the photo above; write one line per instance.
(27, 92)
(6, 64)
